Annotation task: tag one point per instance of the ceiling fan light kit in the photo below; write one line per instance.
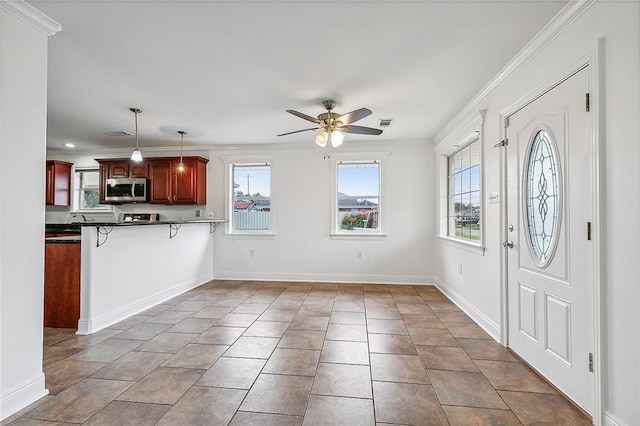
(332, 126)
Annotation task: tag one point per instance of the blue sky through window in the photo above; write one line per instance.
(362, 180)
(251, 180)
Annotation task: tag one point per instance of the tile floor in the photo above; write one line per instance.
(275, 353)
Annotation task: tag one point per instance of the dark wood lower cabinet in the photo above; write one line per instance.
(62, 285)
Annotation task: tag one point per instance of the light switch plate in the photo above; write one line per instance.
(494, 197)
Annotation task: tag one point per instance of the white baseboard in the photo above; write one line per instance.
(16, 399)
(92, 325)
(328, 278)
(481, 319)
(609, 419)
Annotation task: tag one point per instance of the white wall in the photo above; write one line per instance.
(137, 267)
(618, 24)
(302, 248)
(23, 115)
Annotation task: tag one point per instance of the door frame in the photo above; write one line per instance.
(594, 62)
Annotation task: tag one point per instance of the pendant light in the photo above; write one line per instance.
(181, 164)
(136, 155)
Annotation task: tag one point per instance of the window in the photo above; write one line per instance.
(251, 197)
(464, 193)
(85, 190)
(357, 196)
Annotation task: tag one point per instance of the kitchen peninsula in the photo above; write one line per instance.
(129, 267)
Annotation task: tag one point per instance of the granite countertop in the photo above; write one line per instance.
(77, 225)
(69, 239)
(159, 222)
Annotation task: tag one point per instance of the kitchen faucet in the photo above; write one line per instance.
(84, 218)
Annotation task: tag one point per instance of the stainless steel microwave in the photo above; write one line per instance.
(126, 190)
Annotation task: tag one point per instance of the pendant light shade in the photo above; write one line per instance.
(136, 155)
(181, 164)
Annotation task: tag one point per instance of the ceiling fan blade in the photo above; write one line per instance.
(299, 131)
(361, 130)
(353, 116)
(304, 116)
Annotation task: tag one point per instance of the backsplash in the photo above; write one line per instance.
(63, 215)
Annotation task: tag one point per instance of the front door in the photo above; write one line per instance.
(551, 252)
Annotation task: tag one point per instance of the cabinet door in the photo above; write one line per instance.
(184, 190)
(119, 169)
(139, 170)
(49, 189)
(104, 172)
(61, 285)
(58, 184)
(160, 182)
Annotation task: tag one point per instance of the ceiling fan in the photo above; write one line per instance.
(331, 126)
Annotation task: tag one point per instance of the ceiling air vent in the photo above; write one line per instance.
(118, 133)
(386, 122)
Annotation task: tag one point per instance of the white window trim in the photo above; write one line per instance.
(229, 162)
(452, 143)
(74, 184)
(336, 232)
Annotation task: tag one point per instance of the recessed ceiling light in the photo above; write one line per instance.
(69, 145)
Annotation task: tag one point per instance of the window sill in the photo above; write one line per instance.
(464, 245)
(265, 235)
(357, 235)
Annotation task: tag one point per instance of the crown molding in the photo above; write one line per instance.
(556, 26)
(30, 15)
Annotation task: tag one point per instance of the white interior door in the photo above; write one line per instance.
(551, 258)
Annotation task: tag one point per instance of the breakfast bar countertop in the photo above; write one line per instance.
(66, 239)
(146, 222)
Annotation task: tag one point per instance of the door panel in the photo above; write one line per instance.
(550, 266)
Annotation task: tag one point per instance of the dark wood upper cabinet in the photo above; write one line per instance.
(167, 184)
(123, 168)
(58, 183)
(174, 186)
(190, 186)
(119, 169)
(160, 182)
(104, 173)
(138, 170)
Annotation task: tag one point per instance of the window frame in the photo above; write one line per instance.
(459, 137)
(78, 189)
(336, 225)
(230, 165)
(474, 139)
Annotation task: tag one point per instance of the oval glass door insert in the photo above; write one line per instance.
(542, 197)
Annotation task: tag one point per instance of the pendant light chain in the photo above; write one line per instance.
(136, 155)
(136, 115)
(181, 164)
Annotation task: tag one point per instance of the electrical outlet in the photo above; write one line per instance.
(359, 254)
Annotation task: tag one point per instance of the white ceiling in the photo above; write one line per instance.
(226, 71)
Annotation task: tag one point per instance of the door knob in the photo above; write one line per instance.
(508, 244)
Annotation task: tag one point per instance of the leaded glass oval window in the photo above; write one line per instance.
(542, 197)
